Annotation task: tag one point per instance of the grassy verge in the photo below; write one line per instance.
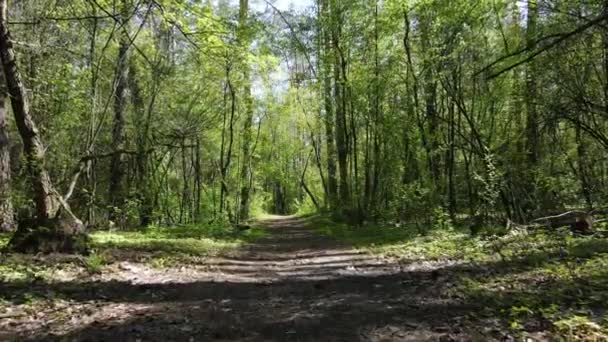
(26, 280)
(404, 242)
(539, 280)
(180, 244)
(158, 246)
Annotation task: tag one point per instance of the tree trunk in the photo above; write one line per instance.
(532, 138)
(339, 94)
(116, 191)
(226, 157)
(430, 98)
(55, 227)
(378, 124)
(142, 120)
(451, 158)
(248, 108)
(332, 180)
(7, 221)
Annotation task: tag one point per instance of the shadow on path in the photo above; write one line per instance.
(292, 285)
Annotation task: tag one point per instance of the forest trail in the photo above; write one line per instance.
(292, 285)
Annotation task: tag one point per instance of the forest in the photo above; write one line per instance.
(310, 170)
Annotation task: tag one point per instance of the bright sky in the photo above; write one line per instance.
(284, 5)
(279, 77)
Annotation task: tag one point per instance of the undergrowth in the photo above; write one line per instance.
(528, 279)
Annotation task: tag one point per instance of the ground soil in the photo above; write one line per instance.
(293, 285)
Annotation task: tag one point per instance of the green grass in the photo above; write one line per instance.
(199, 240)
(403, 242)
(190, 240)
(360, 236)
(523, 277)
(165, 246)
(159, 246)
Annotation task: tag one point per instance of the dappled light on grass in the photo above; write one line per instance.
(285, 280)
(361, 236)
(192, 246)
(531, 280)
(403, 242)
(158, 246)
(176, 242)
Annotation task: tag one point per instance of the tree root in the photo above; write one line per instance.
(46, 239)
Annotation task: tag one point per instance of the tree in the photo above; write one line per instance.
(55, 227)
(340, 65)
(532, 132)
(117, 189)
(7, 222)
(326, 63)
(247, 105)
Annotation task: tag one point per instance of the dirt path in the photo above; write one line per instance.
(293, 285)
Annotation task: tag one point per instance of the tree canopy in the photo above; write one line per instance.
(127, 114)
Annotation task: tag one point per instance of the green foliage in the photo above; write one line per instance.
(517, 314)
(406, 241)
(95, 262)
(4, 238)
(366, 236)
(306, 208)
(579, 328)
(25, 269)
(159, 246)
(522, 277)
(546, 276)
(441, 219)
(181, 242)
(490, 184)
(415, 202)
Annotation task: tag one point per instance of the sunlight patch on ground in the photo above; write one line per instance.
(266, 216)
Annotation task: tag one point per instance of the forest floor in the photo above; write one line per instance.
(306, 279)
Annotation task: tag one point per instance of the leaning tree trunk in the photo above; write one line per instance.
(55, 227)
(7, 222)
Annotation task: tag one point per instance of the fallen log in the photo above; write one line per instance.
(579, 221)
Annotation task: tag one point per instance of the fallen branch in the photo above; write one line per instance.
(552, 220)
(580, 221)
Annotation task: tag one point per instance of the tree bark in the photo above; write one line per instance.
(248, 108)
(116, 191)
(143, 121)
(339, 94)
(7, 221)
(532, 138)
(332, 180)
(430, 98)
(226, 156)
(55, 227)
